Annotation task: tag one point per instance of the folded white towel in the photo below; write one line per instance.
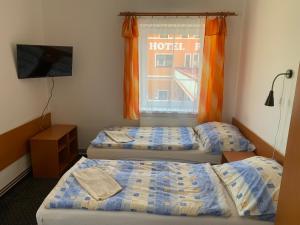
(118, 136)
(99, 184)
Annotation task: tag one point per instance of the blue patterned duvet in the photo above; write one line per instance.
(158, 187)
(151, 138)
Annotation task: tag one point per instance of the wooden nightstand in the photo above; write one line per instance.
(54, 150)
(231, 156)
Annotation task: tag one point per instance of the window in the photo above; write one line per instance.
(196, 61)
(163, 95)
(169, 64)
(163, 60)
(187, 60)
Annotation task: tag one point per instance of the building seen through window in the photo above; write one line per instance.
(170, 61)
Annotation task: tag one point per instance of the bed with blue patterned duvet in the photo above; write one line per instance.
(151, 138)
(156, 187)
(200, 144)
(161, 192)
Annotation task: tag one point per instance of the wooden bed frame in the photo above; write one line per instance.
(262, 147)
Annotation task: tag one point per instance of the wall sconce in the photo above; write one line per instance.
(270, 100)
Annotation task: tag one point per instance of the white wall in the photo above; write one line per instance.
(21, 100)
(270, 46)
(92, 98)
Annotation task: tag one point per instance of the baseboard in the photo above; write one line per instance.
(14, 181)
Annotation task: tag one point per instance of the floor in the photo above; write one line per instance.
(19, 205)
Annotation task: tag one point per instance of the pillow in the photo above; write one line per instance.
(217, 137)
(253, 184)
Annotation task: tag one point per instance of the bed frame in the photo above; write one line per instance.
(262, 147)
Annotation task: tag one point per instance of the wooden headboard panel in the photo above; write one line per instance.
(15, 143)
(262, 147)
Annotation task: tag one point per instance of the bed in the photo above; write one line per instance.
(203, 143)
(217, 206)
(164, 143)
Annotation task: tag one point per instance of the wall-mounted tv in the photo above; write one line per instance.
(35, 61)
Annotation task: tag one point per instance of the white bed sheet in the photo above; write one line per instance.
(85, 217)
(194, 156)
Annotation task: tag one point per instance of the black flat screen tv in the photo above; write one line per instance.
(35, 61)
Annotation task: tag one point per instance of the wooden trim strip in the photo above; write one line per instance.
(177, 14)
(262, 147)
(15, 143)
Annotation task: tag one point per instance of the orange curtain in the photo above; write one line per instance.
(212, 80)
(130, 34)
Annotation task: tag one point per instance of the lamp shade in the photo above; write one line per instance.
(270, 99)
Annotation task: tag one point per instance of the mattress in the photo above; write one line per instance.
(193, 156)
(87, 217)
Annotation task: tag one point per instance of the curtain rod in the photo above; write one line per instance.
(177, 14)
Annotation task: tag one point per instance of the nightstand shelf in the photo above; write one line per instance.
(54, 150)
(231, 156)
